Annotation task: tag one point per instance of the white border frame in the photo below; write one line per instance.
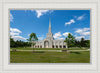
(68, 67)
(8, 66)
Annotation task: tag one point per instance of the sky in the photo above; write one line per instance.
(25, 22)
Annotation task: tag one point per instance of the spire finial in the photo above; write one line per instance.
(49, 22)
(49, 25)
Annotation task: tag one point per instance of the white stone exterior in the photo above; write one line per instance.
(50, 42)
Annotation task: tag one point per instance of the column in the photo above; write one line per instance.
(58, 44)
(42, 44)
(39, 44)
(62, 44)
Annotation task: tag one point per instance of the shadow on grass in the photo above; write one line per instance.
(75, 52)
(38, 52)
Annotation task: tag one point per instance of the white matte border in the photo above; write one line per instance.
(50, 67)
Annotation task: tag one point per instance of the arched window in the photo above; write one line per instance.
(60, 46)
(41, 46)
(53, 46)
(35, 46)
(38, 46)
(56, 46)
(64, 46)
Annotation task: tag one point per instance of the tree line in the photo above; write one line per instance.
(70, 42)
(19, 43)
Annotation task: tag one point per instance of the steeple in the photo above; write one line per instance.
(49, 34)
(49, 25)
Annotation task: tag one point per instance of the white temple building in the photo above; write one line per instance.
(50, 42)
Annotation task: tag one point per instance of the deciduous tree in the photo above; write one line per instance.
(32, 38)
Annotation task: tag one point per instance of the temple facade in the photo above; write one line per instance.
(49, 41)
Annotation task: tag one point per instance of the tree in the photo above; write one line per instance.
(32, 38)
(82, 42)
(70, 40)
(12, 42)
(19, 43)
(77, 43)
(87, 43)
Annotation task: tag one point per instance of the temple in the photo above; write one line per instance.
(49, 41)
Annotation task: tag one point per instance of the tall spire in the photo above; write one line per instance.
(49, 25)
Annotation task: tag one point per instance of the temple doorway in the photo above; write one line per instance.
(46, 44)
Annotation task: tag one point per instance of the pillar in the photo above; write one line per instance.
(58, 45)
(62, 44)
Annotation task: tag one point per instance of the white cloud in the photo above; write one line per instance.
(65, 34)
(79, 31)
(57, 35)
(60, 38)
(40, 38)
(70, 22)
(14, 32)
(28, 34)
(79, 37)
(41, 12)
(18, 38)
(84, 31)
(80, 17)
(11, 17)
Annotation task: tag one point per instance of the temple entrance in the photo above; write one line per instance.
(46, 44)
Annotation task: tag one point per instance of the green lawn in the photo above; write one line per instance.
(49, 57)
(76, 48)
(20, 48)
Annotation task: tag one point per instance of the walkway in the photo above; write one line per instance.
(52, 50)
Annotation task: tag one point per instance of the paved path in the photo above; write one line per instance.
(52, 50)
(79, 50)
(43, 50)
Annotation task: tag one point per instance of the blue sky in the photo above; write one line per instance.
(25, 22)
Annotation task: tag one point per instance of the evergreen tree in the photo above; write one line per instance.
(70, 40)
(12, 42)
(82, 42)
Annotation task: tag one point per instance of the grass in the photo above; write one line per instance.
(20, 48)
(72, 48)
(49, 57)
(76, 48)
